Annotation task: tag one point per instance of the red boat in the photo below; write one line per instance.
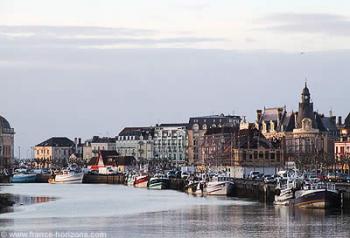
(141, 181)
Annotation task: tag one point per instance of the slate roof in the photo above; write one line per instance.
(252, 138)
(173, 125)
(347, 122)
(4, 123)
(214, 119)
(97, 139)
(137, 131)
(57, 142)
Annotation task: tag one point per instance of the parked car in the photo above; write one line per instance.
(171, 174)
(269, 179)
(343, 178)
(185, 175)
(313, 178)
(254, 175)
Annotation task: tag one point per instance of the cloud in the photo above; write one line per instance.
(313, 23)
(90, 37)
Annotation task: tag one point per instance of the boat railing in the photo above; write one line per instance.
(328, 186)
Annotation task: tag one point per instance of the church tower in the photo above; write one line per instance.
(306, 109)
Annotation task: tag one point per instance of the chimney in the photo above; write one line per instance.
(340, 121)
(79, 141)
(280, 112)
(258, 115)
(76, 144)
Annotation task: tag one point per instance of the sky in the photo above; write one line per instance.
(85, 67)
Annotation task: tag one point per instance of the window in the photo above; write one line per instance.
(266, 154)
(261, 155)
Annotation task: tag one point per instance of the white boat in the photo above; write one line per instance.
(72, 175)
(218, 186)
(284, 190)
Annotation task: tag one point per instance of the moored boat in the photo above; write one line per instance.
(218, 186)
(23, 176)
(284, 190)
(72, 175)
(319, 195)
(130, 179)
(141, 181)
(159, 182)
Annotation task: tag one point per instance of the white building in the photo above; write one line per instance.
(170, 142)
(136, 141)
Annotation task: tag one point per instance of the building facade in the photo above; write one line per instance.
(170, 143)
(342, 145)
(311, 143)
(102, 143)
(136, 141)
(54, 152)
(6, 144)
(251, 151)
(198, 126)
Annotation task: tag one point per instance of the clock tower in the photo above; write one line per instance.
(306, 109)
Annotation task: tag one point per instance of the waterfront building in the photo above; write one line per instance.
(136, 141)
(216, 147)
(198, 126)
(251, 151)
(311, 143)
(87, 150)
(102, 143)
(342, 145)
(53, 152)
(6, 144)
(170, 143)
(108, 162)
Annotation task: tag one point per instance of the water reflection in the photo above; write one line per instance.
(20, 200)
(221, 217)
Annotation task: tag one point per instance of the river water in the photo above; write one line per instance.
(85, 210)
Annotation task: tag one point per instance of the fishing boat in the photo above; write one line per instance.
(72, 175)
(284, 190)
(23, 176)
(159, 181)
(218, 186)
(130, 179)
(318, 195)
(141, 181)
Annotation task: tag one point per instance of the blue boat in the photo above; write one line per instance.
(23, 177)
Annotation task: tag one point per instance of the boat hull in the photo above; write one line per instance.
(28, 178)
(216, 189)
(68, 179)
(320, 199)
(158, 184)
(141, 182)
